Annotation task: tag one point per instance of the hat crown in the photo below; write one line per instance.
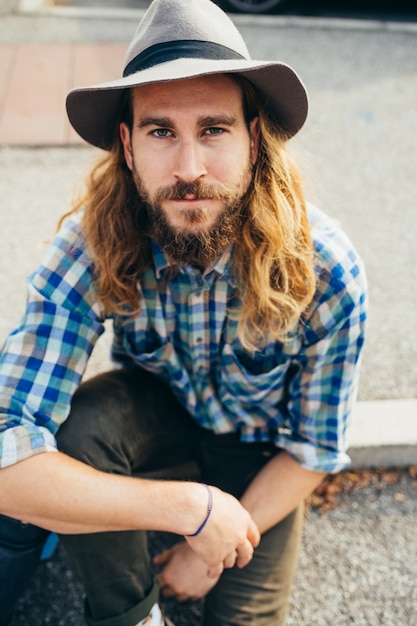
(179, 40)
(168, 21)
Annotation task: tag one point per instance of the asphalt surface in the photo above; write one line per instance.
(358, 563)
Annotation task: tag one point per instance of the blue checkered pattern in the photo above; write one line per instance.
(298, 394)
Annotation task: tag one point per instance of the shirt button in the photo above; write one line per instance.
(199, 339)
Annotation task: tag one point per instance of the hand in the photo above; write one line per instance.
(184, 574)
(228, 538)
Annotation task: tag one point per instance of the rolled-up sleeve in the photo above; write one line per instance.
(323, 381)
(43, 360)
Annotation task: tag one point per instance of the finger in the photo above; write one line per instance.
(182, 597)
(214, 572)
(254, 535)
(230, 560)
(162, 557)
(167, 592)
(162, 578)
(244, 554)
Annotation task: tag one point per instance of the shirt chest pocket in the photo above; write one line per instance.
(154, 353)
(238, 383)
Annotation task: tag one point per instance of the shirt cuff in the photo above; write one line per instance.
(21, 442)
(314, 458)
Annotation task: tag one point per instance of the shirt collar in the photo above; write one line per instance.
(220, 267)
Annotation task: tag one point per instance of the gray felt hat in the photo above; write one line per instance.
(179, 39)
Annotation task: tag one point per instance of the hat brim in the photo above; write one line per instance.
(93, 111)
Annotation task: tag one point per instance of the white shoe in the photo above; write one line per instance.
(155, 618)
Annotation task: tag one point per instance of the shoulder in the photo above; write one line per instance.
(336, 259)
(68, 248)
(333, 248)
(69, 239)
(66, 274)
(341, 284)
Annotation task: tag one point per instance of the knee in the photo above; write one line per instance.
(96, 423)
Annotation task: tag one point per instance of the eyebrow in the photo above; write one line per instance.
(217, 120)
(203, 121)
(163, 122)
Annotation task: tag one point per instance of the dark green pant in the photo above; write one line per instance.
(128, 422)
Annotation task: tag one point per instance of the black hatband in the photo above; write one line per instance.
(172, 50)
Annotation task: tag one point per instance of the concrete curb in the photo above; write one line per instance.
(384, 434)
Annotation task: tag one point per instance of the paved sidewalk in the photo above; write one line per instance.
(43, 57)
(34, 80)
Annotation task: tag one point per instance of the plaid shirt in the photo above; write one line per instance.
(298, 395)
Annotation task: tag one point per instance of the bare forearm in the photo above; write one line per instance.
(62, 494)
(278, 489)
(59, 493)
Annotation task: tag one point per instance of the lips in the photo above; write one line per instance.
(188, 200)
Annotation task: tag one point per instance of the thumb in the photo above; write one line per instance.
(254, 535)
(163, 557)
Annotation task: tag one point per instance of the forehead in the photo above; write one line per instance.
(217, 90)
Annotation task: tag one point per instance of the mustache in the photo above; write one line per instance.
(199, 190)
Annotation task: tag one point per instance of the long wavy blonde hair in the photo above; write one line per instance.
(273, 254)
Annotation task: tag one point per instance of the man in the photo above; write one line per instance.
(238, 313)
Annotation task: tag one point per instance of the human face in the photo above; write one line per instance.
(190, 150)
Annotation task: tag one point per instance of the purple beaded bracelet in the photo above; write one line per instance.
(209, 508)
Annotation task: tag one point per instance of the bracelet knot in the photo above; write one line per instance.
(209, 509)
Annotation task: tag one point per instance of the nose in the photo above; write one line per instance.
(189, 165)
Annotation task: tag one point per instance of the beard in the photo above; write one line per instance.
(196, 247)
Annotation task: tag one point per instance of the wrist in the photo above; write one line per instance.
(188, 507)
(208, 512)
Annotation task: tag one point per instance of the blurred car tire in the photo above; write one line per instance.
(253, 6)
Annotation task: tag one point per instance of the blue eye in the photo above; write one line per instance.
(161, 132)
(214, 131)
